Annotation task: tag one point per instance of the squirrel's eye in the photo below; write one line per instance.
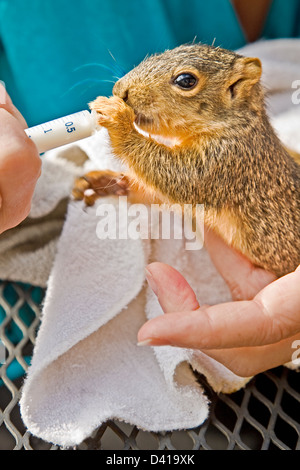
(185, 81)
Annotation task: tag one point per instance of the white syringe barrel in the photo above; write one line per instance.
(63, 131)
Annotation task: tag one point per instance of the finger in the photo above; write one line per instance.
(210, 327)
(7, 104)
(20, 167)
(272, 316)
(13, 138)
(172, 290)
(250, 361)
(243, 278)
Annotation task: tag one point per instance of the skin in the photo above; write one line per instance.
(20, 165)
(252, 15)
(249, 335)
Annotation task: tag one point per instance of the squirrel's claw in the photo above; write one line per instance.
(96, 184)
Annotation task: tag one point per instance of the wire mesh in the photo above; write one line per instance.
(264, 415)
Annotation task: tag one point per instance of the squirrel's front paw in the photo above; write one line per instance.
(97, 184)
(112, 111)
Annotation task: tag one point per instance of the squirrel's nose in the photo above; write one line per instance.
(120, 89)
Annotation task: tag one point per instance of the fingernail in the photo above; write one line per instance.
(151, 281)
(154, 342)
(145, 342)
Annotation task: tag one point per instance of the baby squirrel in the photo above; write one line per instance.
(191, 125)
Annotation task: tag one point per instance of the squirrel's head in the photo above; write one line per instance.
(193, 89)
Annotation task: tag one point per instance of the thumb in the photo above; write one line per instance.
(172, 290)
(272, 316)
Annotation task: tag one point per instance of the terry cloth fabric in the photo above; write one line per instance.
(86, 367)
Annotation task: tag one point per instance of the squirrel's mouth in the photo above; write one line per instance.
(142, 121)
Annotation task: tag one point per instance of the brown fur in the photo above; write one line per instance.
(227, 155)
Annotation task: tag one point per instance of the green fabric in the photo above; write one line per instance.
(43, 42)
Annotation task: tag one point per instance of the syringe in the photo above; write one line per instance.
(64, 130)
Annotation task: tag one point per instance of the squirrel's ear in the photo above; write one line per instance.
(247, 72)
(252, 68)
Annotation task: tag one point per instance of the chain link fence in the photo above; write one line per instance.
(263, 415)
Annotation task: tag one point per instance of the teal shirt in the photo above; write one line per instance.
(45, 45)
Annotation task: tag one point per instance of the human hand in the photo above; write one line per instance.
(20, 165)
(247, 336)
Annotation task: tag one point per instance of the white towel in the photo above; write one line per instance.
(86, 367)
